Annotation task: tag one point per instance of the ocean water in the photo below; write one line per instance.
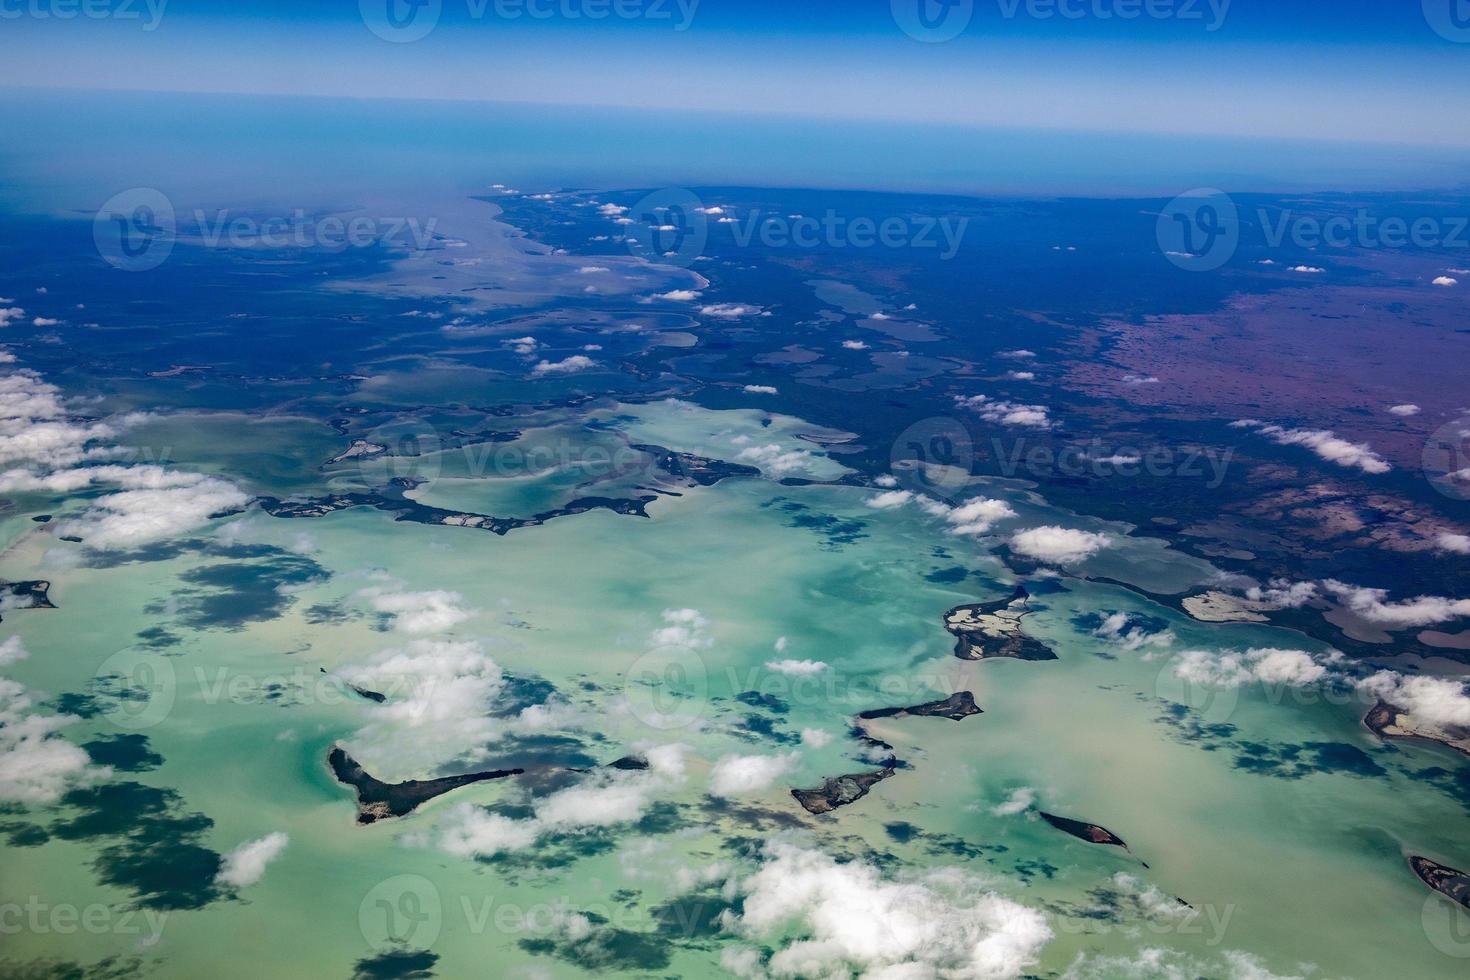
(751, 619)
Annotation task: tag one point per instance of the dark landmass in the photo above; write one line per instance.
(41, 518)
(840, 790)
(956, 707)
(993, 629)
(34, 594)
(702, 470)
(391, 500)
(1089, 832)
(1454, 885)
(362, 692)
(377, 800)
(1387, 722)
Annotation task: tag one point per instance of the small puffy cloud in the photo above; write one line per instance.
(775, 460)
(1455, 544)
(607, 798)
(679, 295)
(978, 515)
(759, 390)
(589, 270)
(742, 775)
(38, 766)
(1283, 593)
(1021, 375)
(885, 480)
(1006, 413)
(854, 345)
(1307, 269)
(685, 628)
(9, 314)
(1442, 702)
(1445, 281)
(1291, 668)
(815, 738)
(1404, 410)
(12, 651)
(889, 500)
(1019, 801)
(570, 365)
(796, 668)
(1058, 545)
(134, 518)
(824, 918)
(246, 864)
(731, 311)
(523, 345)
(1117, 629)
(422, 612)
(1020, 355)
(1372, 605)
(45, 321)
(1325, 443)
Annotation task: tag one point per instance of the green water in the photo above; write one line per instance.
(1305, 870)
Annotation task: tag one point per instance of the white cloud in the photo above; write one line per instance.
(1006, 413)
(523, 345)
(815, 738)
(1019, 801)
(1404, 410)
(730, 311)
(760, 390)
(775, 460)
(679, 295)
(37, 766)
(978, 515)
(1422, 611)
(854, 345)
(9, 313)
(246, 864)
(1457, 544)
(1058, 545)
(1024, 355)
(827, 919)
(421, 612)
(1310, 269)
(1116, 630)
(1327, 445)
(134, 518)
(1283, 593)
(439, 693)
(588, 270)
(1021, 375)
(1442, 702)
(571, 365)
(742, 775)
(1445, 281)
(12, 651)
(686, 628)
(1292, 668)
(607, 798)
(889, 500)
(45, 321)
(796, 668)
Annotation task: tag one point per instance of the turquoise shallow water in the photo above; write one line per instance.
(1274, 866)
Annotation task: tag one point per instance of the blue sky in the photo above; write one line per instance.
(1344, 70)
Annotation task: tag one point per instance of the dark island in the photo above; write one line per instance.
(377, 800)
(1089, 832)
(1454, 885)
(840, 790)
(700, 470)
(30, 595)
(1386, 721)
(993, 629)
(956, 707)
